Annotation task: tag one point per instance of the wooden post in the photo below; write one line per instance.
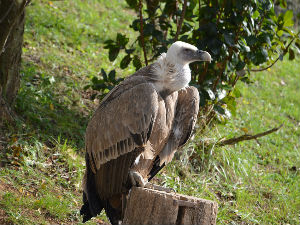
(148, 206)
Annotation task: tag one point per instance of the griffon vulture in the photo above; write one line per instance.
(137, 129)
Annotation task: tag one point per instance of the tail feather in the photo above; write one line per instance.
(85, 209)
(92, 204)
(114, 215)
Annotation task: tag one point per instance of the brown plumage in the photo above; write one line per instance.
(137, 129)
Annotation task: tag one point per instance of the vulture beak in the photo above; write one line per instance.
(203, 56)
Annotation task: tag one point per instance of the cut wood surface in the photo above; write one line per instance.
(148, 206)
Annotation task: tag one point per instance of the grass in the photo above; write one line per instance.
(41, 157)
(254, 182)
(257, 181)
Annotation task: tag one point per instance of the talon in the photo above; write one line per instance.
(132, 178)
(137, 179)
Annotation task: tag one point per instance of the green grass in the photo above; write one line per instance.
(257, 181)
(41, 161)
(254, 182)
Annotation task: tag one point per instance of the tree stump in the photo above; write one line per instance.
(148, 206)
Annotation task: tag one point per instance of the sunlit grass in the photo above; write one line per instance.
(257, 181)
(44, 164)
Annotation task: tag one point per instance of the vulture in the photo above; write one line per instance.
(137, 128)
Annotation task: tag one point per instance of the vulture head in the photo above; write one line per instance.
(181, 53)
(172, 68)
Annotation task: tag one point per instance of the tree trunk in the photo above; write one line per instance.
(149, 207)
(11, 40)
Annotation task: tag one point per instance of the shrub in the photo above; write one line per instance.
(240, 35)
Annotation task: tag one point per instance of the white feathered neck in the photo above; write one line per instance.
(170, 76)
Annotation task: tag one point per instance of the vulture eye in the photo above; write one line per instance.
(187, 50)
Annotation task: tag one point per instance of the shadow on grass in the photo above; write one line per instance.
(44, 112)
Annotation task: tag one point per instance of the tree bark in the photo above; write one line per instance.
(148, 206)
(11, 40)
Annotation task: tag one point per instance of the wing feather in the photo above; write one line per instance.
(184, 122)
(121, 123)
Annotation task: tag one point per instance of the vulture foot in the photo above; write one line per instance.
(159, 188)
(137, 179)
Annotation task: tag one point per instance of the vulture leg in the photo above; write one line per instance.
(155, 168)
(136, 171)
(137, 179)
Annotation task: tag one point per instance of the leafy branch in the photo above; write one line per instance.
(279, 57)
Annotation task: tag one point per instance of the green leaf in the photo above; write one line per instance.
(240, 66)
(255, 15)
(135, 25)
(283, 4)
(95, 80)
(104, 75)
(112, 75)
(229, 39)
(288, 19)
(122, 40)
(99, 86)
(219, 109)
(251, 40)
(290, 31)
(232, 109)
(125, 61)
(291, 54)
(236, 92)
(227, 113)
(246, 80)
(241, 73)
(129, 51)
(108, 43)
(280, 33)
(231, 104)
(132, 3)
(246, 48)
(203, 97)
(113, 53)
(137, 62)
(265, 38)
(86, 87)
(267, 5)
(158, 35)
(265, 54)
(221, 93)
(210, 94)
(148, 29)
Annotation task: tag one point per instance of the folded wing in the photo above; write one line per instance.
(123, 121)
